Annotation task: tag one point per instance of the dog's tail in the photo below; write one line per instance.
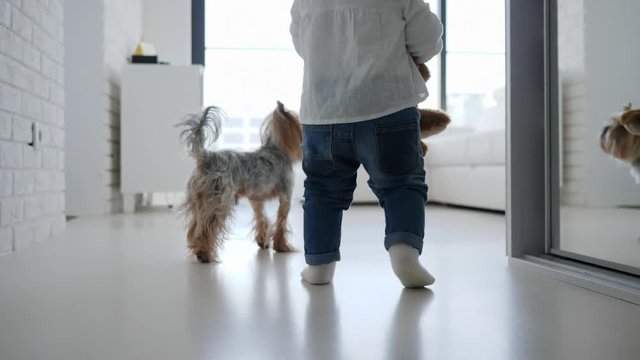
(201, 130)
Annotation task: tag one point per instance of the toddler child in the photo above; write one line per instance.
(360, 93)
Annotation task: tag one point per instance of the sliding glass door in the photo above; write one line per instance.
(572, 208)
(593, 76)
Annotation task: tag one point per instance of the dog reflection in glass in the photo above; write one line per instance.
(621, 139)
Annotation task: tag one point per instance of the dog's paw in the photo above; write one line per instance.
(204, 257)
(262, 239)
(283, 247)
(262, 244)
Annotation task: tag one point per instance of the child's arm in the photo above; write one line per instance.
(294, 28)
(423, 31)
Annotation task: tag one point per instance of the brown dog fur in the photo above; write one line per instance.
(222, 177)
(432, 122)
(621, 138)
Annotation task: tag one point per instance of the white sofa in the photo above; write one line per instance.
(468, 169)
(464, 168)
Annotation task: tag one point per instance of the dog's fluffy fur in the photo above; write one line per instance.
(621, 139)
(222, 177)
(432, 122)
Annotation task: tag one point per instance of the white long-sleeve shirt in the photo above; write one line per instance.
(358, 56)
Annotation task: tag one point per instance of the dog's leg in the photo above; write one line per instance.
(261, 226)
(192, 235)
(280, 243)
(207, 229)
(215, 224)
(200, 244)
(196, 236)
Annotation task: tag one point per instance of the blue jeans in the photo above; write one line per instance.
(389, 150)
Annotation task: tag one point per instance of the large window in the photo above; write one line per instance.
(250, 64)
(475, 63)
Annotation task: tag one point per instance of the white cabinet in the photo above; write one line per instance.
(154, 99)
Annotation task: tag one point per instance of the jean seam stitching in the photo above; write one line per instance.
(318, 128)
(394, 128)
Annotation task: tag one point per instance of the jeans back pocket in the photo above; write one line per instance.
(316, 149)
(398, 147)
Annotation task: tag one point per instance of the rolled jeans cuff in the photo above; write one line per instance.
(410, 239)
(321, 259)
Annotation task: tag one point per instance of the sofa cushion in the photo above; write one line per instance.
(477, 148)
(481, 187)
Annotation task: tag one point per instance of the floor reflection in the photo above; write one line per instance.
(322, 328)
(405, 338)
(232, 318)
(271, 318)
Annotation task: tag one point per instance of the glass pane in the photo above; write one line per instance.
(433, 85)
(598, 75)
(476, 90)
(250, 64)
(476, 26)
(475, 81)
(248, 89)
(248, 24)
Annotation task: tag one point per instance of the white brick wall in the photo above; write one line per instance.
(31, 91)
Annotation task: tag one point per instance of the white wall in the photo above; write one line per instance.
(86, 130)
(101, 36)
(167, 25)
(31, 91)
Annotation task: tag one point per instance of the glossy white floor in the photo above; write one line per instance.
(123, 287)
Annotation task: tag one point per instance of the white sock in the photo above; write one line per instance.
(319, 274)
(407, 267)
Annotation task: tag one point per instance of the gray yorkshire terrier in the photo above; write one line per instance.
(222, 177)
